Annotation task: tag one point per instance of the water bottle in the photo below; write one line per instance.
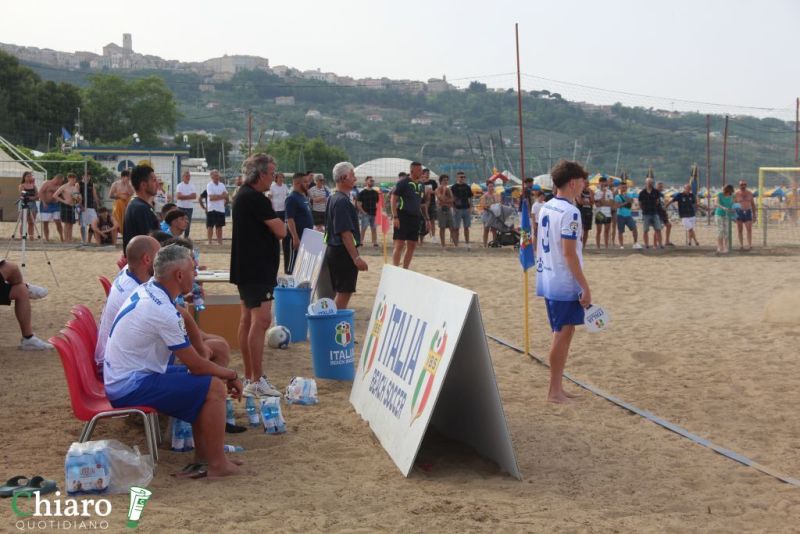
(233, 448)
(271, 413)
(230, 418)
(252, 411)
(188, 437)
(177, 435)
(197, 297)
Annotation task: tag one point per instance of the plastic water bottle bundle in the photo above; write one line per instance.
(182, 437)
(252, 411)
(86, 472)
(230, 416)
(302, 391)
(271, 415)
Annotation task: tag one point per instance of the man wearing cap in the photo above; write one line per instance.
(343, 236)
(407, 214)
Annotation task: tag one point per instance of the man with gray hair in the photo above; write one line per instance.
(137, 371)
(255, 256)
(343, 236)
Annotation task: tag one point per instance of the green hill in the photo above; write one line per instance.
(463, 124)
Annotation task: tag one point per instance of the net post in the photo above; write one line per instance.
(764, 223)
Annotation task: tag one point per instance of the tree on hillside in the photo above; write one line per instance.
(116, 109)
(300, 154)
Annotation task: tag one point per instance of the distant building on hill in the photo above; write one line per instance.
(284, 101)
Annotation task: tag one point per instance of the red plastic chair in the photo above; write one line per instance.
(105, 282)
(85, 315)
(83, 331)
(89, 409)
(122, 262)
(92, 383)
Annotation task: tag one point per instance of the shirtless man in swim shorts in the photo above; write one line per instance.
(121, 192)
(744, 213)
(50, 209)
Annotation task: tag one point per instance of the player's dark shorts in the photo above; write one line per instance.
(744, 215)
(409, 228)
(254, 294)
(586, 218)
(215, 219)
(563, 313)
(5, 289)
(662, 214)
(67, 214)
(318, 217)
(344, 273)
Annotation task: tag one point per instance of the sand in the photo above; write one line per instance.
(691, 342)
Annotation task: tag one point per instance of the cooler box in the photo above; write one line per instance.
(332, 347)
(221, 317)
(291, 304)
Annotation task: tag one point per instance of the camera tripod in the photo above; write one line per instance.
(22, 225)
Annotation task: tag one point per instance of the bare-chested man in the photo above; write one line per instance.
(121, 192)
(744, 213)
(69, 196)
(445, 201)
(49, 209)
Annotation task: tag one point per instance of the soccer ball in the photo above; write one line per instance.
(278, 337)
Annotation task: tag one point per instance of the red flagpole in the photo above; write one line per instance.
(522, 171)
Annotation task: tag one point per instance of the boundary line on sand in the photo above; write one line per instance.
(732, 455)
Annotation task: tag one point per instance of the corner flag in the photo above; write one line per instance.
(65, 134)
(526, 258)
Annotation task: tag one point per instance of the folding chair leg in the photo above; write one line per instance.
(81, 438)
(89, 429)
(157, 428)
(150, 436)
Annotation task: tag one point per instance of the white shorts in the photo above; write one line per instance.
(49, 216)
(88, 216)
(688, 222)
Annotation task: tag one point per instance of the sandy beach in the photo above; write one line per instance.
(709, 343)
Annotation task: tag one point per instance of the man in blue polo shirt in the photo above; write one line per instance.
(146, 331)
(559, 269)
(298, 219)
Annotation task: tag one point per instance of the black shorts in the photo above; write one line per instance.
(215, 219)
(409, 228)
(662, 214)
(344, 273)
(254, 294)
(586, 219)
(318, 217)
(5, 290)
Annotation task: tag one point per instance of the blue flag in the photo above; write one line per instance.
(525, 237)
(65, 134)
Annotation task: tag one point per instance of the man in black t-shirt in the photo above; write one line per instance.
(140, 219)
(255, 256)
(342, 236)
(407, 213)
(429, 190)
(367, 204)
(649, 200)
(462, 207)
(687, 210)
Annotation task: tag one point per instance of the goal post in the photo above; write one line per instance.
(792, 182)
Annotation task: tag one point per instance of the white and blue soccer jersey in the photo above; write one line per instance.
(559, 219)
(124, 284)
(146, 330)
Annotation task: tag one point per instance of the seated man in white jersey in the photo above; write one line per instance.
(142, 251)
(559, 269)
(137, 371)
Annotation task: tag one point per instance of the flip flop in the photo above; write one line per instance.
(189, 470)
(201, 473)
(13, 484)
(40, 484)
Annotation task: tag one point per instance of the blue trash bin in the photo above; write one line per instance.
(332, 347)
(291, 304)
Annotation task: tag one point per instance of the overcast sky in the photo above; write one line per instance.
(737, 53)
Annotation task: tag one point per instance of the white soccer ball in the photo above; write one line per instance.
(278, 337)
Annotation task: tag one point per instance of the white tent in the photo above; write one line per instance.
(545, 181)
(385, 169)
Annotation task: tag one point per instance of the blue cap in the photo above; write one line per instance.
(537, 187)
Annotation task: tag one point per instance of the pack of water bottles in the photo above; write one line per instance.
(252, 411)
(182, 437)
(302, 391)
(271, 415)
(105, 466)
(286, 280)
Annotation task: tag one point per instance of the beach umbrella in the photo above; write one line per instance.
(778, 192)
(545, 181)
(497, 175)
(476, 189)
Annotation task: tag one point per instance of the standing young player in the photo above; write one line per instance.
(559, 269)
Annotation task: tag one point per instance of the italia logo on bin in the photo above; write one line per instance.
(374, 337)
(343, 335)
(425, 383)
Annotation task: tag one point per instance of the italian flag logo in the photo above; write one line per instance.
(374, 337)
(425, 383)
